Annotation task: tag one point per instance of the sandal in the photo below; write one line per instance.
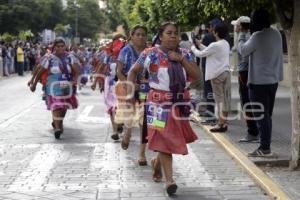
(57, 133)
(156, 171)
(115, 136)
(125, 141)
(142, 162)
(171, 188)
(219, 128)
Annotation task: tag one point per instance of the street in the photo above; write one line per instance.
(87, 164)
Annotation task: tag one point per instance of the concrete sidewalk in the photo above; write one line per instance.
(288, 180)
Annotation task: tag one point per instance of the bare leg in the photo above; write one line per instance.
(115, 135)
(113, 124)
(166, 162)
(142, 151)
(64, 112)
(222, 118)
(126, 139)
(156, 169)
(56, 116)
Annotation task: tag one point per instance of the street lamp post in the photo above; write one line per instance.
(76, 19)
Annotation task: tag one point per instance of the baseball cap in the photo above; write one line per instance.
(241, 19)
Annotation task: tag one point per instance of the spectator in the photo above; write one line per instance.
(265, 71)
(185, 43)
(217, 70)
(208, 92)
(4, 58)
(20, 59)
(242, 27)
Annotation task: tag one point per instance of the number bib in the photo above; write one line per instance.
(144, 89)
(157, 116)
(59, 85)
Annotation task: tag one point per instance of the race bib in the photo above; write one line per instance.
(157, 116)
(144, 89)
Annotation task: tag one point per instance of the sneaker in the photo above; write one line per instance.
(261, 153)
(250, 139)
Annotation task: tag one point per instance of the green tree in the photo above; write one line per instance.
(60, 29)
(25, 35)
(90, 19)
(7, 37)
(16, 15)
(114, 15)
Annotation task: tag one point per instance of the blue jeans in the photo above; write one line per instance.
(265, 95)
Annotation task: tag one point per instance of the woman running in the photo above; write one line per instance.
(127, 114)
(61, 83)
(168, 127)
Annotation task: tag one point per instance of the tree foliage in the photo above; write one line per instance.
(37, 15)
(190, 13)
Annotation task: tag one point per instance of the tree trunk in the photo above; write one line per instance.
(293, 38)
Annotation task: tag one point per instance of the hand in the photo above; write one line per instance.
(173, 56)
(33, 87)
(30, 83)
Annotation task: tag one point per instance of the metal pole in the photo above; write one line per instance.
(76, 20)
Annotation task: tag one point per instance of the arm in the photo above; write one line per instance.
(245, 48)
(120, 74)
(207, 51)
(37, 78)
(190, 67)
(34, 74)
(76, 72)
(132, 76)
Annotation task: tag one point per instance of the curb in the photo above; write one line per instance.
(260, 178)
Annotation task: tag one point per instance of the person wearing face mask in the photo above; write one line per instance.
(217, 70)
(126, 113)
(63, 71)
(167, 122)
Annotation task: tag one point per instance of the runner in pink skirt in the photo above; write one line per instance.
(61, 83)
(168, 127)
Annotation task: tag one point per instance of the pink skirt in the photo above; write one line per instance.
(110, 99)
(55, 103)
(176, 133)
